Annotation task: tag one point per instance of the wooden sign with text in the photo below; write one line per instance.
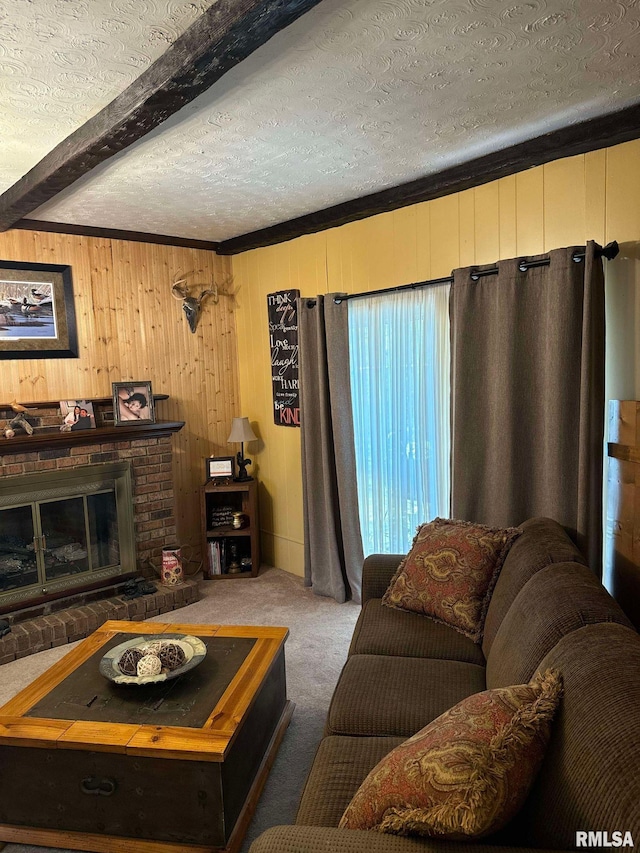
(283, 341)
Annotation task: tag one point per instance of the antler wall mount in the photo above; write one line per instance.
(192, 305)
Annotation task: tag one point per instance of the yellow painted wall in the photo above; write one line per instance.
(595, 196)
(130, 327)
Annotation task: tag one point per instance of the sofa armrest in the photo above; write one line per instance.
(325, 839)
(377, 571)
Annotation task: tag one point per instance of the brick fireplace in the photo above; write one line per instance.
(45, 622)
(152, 486)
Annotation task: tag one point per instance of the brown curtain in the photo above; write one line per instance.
(332, 542)
(527, 354)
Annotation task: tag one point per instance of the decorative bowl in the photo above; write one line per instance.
(193, 647)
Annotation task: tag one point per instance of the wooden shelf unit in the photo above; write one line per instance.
(235, 496)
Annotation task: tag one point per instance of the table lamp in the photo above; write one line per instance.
(240, 432)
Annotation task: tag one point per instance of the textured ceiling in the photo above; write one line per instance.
(355, 97)
(61, 61)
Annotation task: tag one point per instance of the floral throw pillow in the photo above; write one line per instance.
(450, 573)
(466, 774)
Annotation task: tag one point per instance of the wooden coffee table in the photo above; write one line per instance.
(164, 768)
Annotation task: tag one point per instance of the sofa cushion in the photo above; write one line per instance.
(555, 601)
(589, 779)
(541, 543)
(387, 631)
(450, 572)
(382, 695)
(340, 765)
(466, 774)
(330, 839)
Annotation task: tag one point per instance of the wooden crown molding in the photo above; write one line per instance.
(115, 234)
(589, 135)
(224, 35)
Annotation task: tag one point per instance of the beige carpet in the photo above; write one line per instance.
(320, 631)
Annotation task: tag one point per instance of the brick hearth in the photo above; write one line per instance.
(66, 626)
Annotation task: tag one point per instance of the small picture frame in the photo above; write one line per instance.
(220, 468)
(133, 403)
(77, 415)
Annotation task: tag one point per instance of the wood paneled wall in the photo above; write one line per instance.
(595, 196)
(130, 327)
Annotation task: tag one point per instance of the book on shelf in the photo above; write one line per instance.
(215, 557)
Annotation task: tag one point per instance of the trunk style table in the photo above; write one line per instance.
(175, 767)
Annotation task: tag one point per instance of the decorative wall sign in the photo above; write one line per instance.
(37, 315)
(283, 340)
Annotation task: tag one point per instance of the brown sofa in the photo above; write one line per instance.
(403, 670)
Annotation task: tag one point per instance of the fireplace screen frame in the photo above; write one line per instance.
(43, 488)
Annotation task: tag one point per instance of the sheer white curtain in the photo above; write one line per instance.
(400, 387)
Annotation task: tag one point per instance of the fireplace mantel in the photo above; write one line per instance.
(45, 419)
(51, 440)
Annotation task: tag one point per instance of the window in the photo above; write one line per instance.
(399, 360)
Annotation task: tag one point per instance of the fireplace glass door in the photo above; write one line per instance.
(74, 529)
(104, 546)
(18, 558)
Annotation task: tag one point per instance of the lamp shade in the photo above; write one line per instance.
(241, 431)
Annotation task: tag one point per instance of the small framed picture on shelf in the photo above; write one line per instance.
(77, 414)
(220, 468)
(133, 403)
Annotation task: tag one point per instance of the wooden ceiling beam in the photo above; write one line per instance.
(224, 35)
(589, 135)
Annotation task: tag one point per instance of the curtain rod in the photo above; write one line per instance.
(609, 252)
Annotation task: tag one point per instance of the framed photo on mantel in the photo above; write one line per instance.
(76, 415)
(133, 403)
(37, 314)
